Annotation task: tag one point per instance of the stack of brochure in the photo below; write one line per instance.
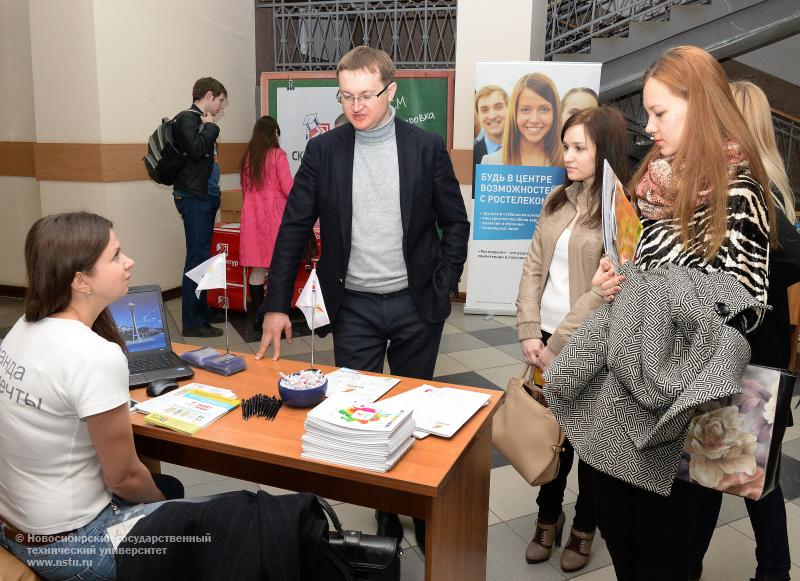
(344, 430)
(188, 408)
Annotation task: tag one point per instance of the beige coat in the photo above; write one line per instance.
(585, 249)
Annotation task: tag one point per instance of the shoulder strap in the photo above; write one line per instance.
(331, 515)
(190, 110)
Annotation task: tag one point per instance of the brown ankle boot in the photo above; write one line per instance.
(547, 535)
(576, 552)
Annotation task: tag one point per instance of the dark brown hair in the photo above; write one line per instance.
(367, 58)
(712, 120)
(607, 129)
(265, 137)
(206, 84)
(57, 248)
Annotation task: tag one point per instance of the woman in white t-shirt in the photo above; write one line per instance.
(67, 458)
(556, 294)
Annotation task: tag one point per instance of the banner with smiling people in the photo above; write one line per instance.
(519, 110)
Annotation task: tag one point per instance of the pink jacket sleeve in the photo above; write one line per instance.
(284, 173)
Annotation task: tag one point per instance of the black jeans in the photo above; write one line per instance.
(646, 534)
(551, 495)
(366, 322)
(370, 326)
(768, 517)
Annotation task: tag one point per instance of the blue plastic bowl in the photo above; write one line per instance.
(302, 398)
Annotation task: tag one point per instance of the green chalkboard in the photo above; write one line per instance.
(423, 98)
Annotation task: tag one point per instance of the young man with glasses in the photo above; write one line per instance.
(380, 188)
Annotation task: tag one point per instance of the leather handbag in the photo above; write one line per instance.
(734, 444)
(526, 432)
(366, 557)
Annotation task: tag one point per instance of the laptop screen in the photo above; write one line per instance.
(138, 318)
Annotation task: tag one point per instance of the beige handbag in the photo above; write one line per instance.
(525, 431)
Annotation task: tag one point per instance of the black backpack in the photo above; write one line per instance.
(163, 160)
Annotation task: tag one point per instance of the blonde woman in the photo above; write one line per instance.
(770, 345)
(756, 111)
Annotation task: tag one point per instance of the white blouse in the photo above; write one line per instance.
(555, 298)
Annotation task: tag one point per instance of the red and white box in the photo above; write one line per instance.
(225, 238)
(306, 264)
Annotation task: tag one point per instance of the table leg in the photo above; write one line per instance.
(458, 519)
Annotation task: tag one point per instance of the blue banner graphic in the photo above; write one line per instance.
(509, 199)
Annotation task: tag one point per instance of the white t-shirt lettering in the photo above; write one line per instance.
(53, 374)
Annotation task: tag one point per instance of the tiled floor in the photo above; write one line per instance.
(483, 352)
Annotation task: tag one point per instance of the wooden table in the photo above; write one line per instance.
(444, 481)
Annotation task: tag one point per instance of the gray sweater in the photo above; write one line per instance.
(376, 262)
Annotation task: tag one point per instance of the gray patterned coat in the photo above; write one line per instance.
(625, 386)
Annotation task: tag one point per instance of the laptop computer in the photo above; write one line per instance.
(142, 322)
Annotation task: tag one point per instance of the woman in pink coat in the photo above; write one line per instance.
(266, 181)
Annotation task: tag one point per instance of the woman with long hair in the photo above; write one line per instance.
(770, 345)
(556, 295)
(701, 195)
(67, 455)
(266, 181)
(531, 135)
(755, 108)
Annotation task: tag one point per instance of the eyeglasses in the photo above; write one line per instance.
(351, 100)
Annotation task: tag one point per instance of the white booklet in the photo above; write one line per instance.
(188, 408)
(366, 387)
(157, 404)
(440, 410)
(345, 415)
(356, 461)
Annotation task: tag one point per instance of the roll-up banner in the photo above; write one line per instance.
(519, 110)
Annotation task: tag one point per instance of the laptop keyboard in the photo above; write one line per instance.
(143, 364)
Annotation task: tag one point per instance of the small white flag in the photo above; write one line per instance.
(310, 300)
(209, 274)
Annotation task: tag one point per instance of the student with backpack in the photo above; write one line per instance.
(196, 193)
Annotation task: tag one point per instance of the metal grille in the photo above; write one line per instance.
(314, 35)
(633, 111)
(571, 24)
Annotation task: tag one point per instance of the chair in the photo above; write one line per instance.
(12, 569)
(794, 320)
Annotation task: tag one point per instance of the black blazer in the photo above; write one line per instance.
(251, 537)
(770, 343)
(478, 151)
(429, 197)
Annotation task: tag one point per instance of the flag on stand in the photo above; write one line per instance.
(311, 301)
(209, 274)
